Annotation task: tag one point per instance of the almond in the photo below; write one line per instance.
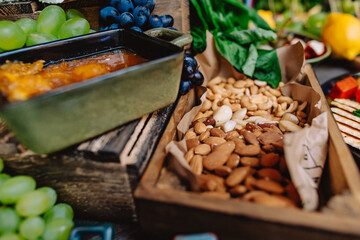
(270, 174)
(237, 176)
(191, 143)
(269, 159)
(253, 194)
(273, 200)
(292, 193)
(248, 150)
(217, 132)
(250, 138)
(204, 135)
(233, 161)
(232, 134)
(196, 164)
(189, 155)
(270, 137)
(250, 161)
(249, 182)
(214, 140)
(238, 190)
(269, 186)
(222, 195)
(199, 128)
(202, 149)
(222, 171)
(190, 134)
(220, 156)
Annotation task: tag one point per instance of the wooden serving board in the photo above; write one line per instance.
(167, 210)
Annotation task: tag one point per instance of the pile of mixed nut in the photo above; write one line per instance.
(235, 142)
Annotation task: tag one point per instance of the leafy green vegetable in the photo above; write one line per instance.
(228, 21)
(357, 113)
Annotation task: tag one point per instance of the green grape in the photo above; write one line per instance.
(15, 187)
(32, 204)
(71, 13)
(32, 228)
(58, 229)
(28, 25)
(51, 194)
(38, 38)
(9, 220)
(74, 27)
(12, 36)
(11, 236)
(50, 20)
(3, 178)
(60, 210)
(1, 162)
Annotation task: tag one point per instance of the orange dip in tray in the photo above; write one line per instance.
(20, 81)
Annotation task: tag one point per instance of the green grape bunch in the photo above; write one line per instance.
(52, 24)
(27, 212)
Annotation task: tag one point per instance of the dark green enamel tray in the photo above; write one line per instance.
(74, 113)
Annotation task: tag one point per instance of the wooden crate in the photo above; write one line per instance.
(165, 212)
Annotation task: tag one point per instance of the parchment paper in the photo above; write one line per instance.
(305, 150)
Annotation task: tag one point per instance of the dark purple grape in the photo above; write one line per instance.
(125, 6)
(140, 2)
(188, 69)
(103, 28)
(109, 15)
(185, 87)
(126, 20)
(167, 20)
(150, 4)
(114, 26)
(155, 22)
(197, 78)
(114, 3)
(190, 59)
(141, 10)
(136, 28)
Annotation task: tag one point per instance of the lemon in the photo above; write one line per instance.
(342, 32)
(268, 17)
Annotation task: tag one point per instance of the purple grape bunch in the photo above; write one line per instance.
(133, 14)
(191, 76)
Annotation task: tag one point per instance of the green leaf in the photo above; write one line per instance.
(357, 113)
(268, 67)
(249, 66)
(228, 21)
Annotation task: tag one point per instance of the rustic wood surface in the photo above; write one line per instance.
(166, 212)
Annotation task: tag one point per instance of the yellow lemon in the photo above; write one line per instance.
(342, 32)
(268, 17)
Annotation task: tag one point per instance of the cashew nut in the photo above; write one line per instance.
(245, 102)
(247, 92)
(206, 105)
(254, 90)
(286, 99)
(215, 81)
(208, 113)
(234, 90)
(302, 106)
(240, 84)
(210, 95)
(290, 117)
(284, 105)
(293, 106)
(262, 113)
(215, 104)
(231, 80)
(274, 92)
(279, 112)
(260, 83)
(265, 106)
(258, 99)
(287, 126)
(249, 82)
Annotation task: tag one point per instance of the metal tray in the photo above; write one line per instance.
(74, 113)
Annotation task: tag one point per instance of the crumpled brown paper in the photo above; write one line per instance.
(305, 150)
